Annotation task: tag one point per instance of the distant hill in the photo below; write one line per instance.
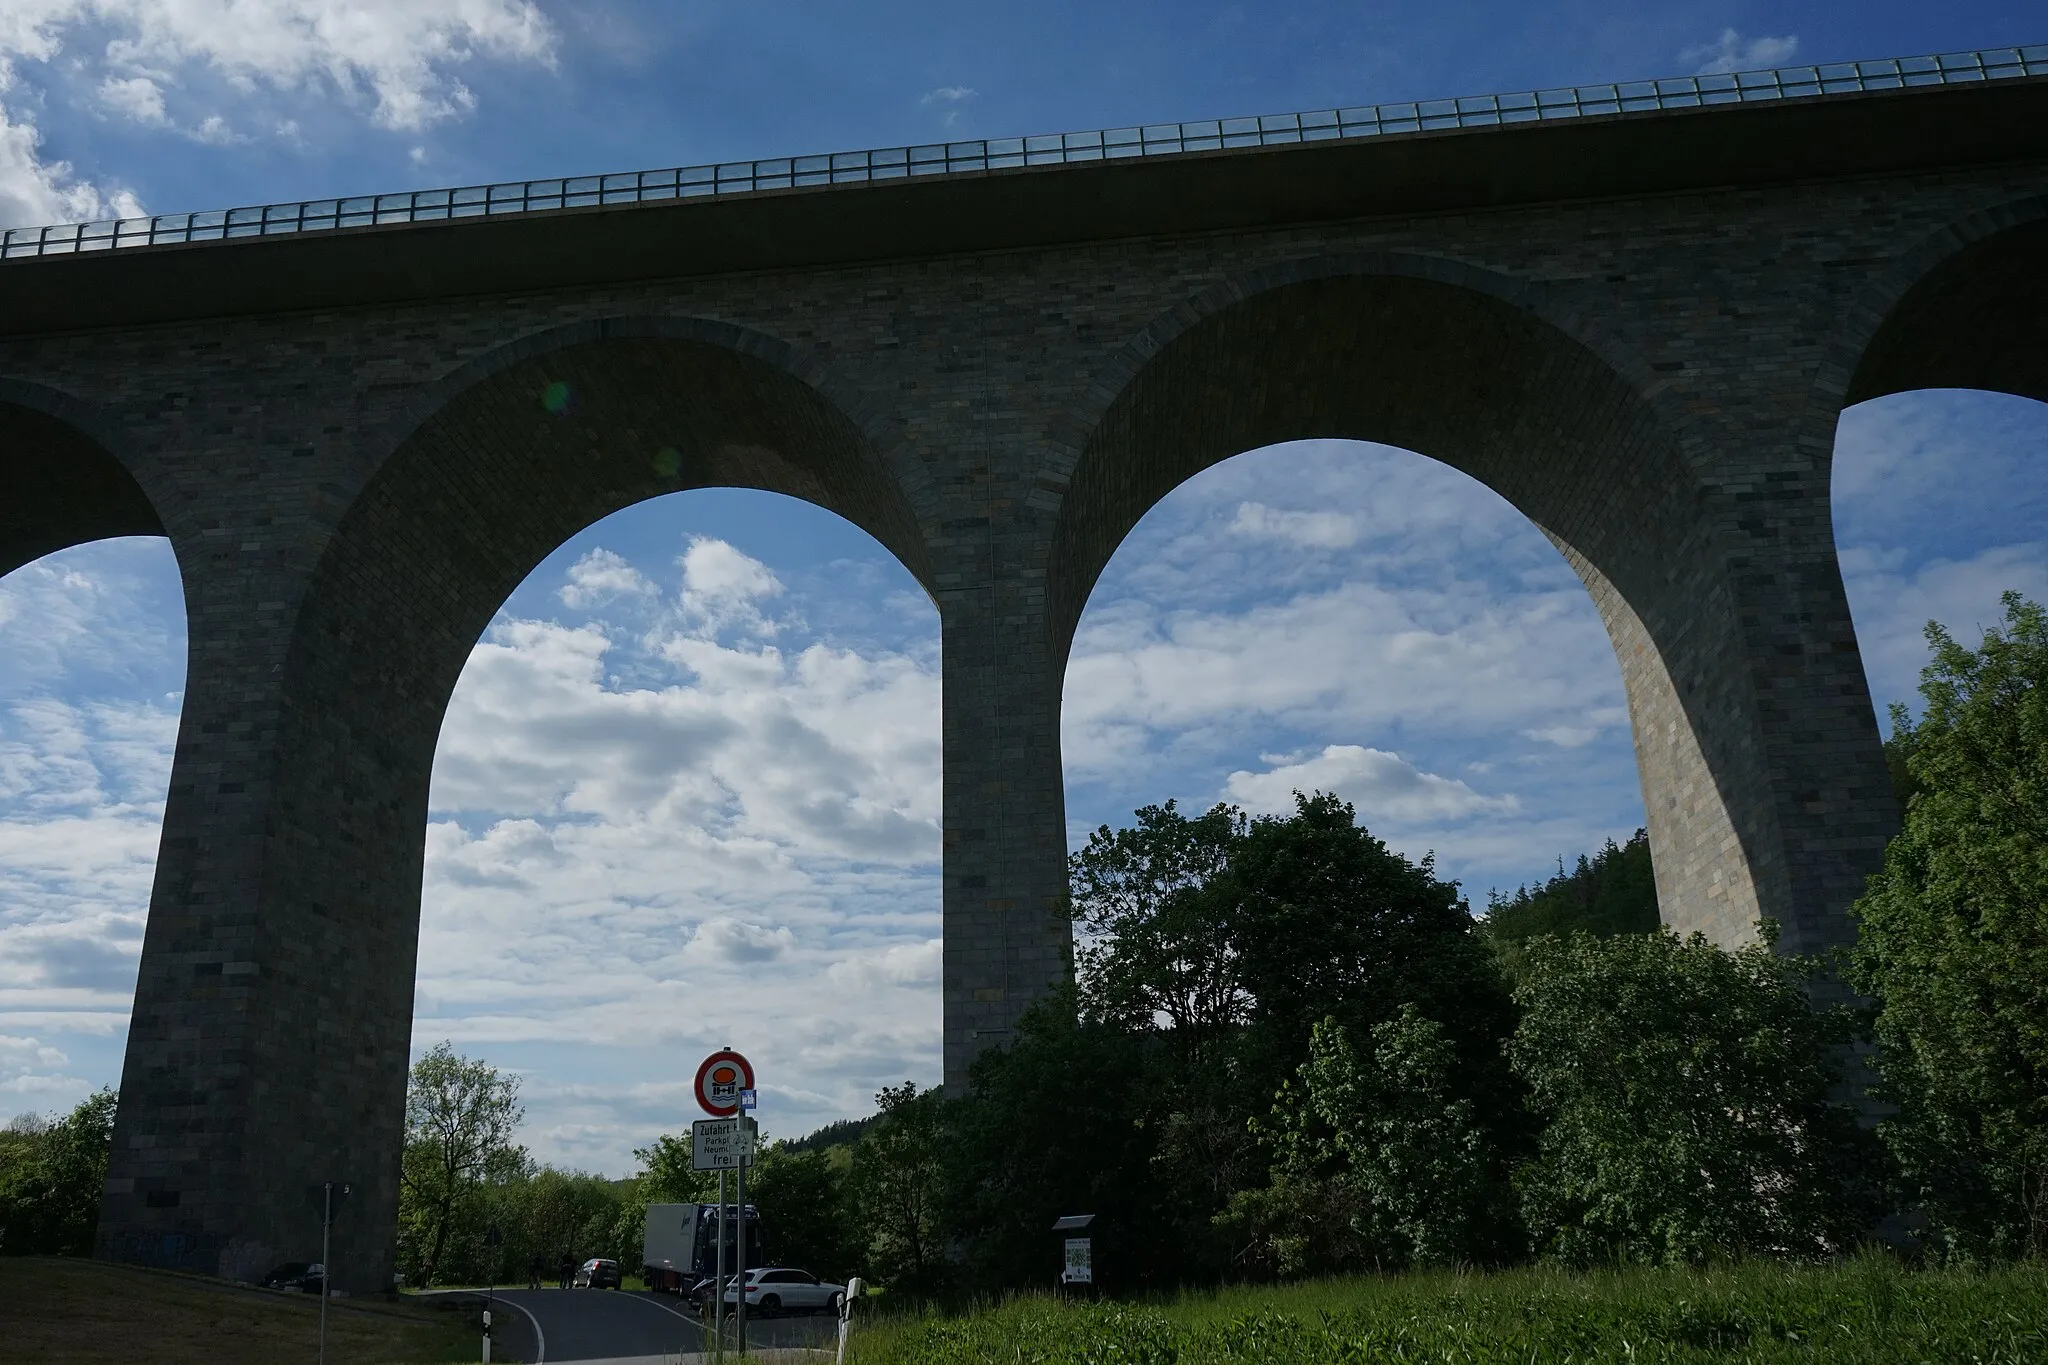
(844, 1133)
(1612, 892)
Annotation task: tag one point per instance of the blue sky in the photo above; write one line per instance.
(687, 792)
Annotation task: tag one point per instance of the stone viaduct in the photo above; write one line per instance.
(1638, 328)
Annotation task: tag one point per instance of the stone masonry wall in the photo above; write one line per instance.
(351, 492)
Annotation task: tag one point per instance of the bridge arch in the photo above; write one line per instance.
(488, 471)
(66, 479)
(1966, 308)
(1458, 365)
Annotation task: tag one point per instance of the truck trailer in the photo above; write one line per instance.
(680, 1247)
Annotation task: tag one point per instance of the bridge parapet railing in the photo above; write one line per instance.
(996, 154)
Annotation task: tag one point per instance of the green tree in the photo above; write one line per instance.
(667, 1175)
(1154, 903)
(53, 1174)
(1612, 892)
(460, 1115)
(1954, 942)
(1330, 922)
(1686, 1097)
(899, 1182)
(1064, 1121)
(1426, 1179)
(802, 1196)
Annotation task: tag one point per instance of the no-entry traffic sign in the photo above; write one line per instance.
(719, 1082)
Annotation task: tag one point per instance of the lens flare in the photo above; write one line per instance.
(667, 461)
(555, 397)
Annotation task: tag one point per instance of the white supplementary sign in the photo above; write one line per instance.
(1080, 1262)
(720, 1144)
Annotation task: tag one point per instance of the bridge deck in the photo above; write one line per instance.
(1627, 139)
(994, 154)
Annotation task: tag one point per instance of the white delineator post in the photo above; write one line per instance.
(853, 1291)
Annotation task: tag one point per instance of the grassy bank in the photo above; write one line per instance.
(1866, 1310)
(70, 1312)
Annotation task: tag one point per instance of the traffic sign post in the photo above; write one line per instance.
(725, 1090)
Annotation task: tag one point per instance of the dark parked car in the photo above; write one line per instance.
(297, 1277)
(597, 1273)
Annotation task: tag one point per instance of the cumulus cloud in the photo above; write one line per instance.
(1314, 530)
(677, 831)
(724, 587)
(1732, 52)
(1381, 785)
(35, 192)
(137, 97)
(186, 65)
(397, 56)
(726, 940)
(603, 576)
(902, 965)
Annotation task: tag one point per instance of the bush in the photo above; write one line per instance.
(1686, 1096)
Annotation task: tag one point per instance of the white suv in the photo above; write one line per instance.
(772, 1290)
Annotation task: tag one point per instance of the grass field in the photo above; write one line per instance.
(1868, 1310)
(71, 1312)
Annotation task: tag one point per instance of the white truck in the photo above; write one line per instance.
(680, 1245)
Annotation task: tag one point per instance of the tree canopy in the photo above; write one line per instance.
(1612, 892)
(53, 1173)
(1954, 942)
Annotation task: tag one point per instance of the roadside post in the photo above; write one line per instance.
(330, 1191)
(854, 1289)
(725, 1088)
(718, 1276)
(1077, 1274)
(492, 1239)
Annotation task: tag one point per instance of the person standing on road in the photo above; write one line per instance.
(534, 1268)
(568, 1269)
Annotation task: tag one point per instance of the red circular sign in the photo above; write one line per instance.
(719, 1082)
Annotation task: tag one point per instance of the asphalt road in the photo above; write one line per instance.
(614, 1324)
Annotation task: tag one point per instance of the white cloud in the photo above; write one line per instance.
(1314, 530)
(137, 59)
(136, 97)
(1355, 655)
(1383, 786)
(602, 576)
(730, 941)
(397, 55)
(1732, 52)
(724, 587)
(1939, 506)
(34, 192)
(901, 965)
(948, 99)
(687, 837)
